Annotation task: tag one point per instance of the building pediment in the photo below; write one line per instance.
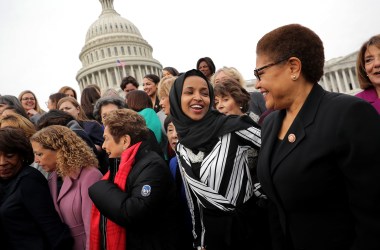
(342, 60)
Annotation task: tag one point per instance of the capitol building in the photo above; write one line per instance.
(340, 75)
(114, 48)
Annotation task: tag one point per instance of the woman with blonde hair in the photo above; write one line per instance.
(18, 121)
(164, 87)
(73, 169)
(227, 72)
(30, 103)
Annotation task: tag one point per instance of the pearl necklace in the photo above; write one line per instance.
(195, 158)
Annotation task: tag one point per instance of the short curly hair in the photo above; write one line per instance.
(364, 81)
(128, 79)
(72, 152)
(230, 87)
(295, 40)
(122, 122)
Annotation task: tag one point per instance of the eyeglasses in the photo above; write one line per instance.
(28, 99)
(256, 72)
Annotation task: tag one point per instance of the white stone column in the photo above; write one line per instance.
(109, 79)
(346, 83)
(131, 73)
(124, 71)
(140, 74)
(117, 76)
(325, 84)
(81, 84)
(333, 83)
(340, 86)
(353, 78)
(101, 76)
(87, 81)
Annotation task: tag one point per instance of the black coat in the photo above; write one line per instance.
(325, 185)
(28, 217)
(150, 221)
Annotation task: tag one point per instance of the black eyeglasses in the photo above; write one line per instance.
(257, 71)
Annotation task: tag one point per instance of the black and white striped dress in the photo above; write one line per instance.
(221, 179)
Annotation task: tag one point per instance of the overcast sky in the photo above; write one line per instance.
(41, 39)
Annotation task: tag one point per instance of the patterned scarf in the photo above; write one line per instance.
(116, 235)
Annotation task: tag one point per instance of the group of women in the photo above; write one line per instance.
(306, 179)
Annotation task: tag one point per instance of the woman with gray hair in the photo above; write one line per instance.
(105, 105)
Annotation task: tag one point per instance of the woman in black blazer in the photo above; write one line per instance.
(28, 219)
(319, 161)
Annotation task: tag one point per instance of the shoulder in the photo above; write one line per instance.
(368, 94)
(31, 172)
(88, 176)
(146, 157)
(150, 158)
(92, 124)
(91, 172)
(338, 102)
(31, 179)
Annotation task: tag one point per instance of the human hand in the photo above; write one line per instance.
(32, 112)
